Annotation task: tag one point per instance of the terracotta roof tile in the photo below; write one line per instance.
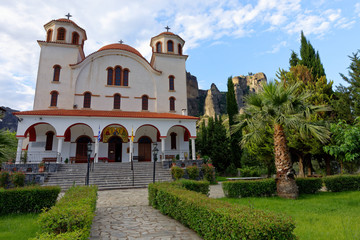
(119, 46)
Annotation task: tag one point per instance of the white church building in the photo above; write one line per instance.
(104, 99)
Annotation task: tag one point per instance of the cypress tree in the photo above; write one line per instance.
(231, 104)
(294, 59)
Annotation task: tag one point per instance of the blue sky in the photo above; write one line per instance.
(223, 38)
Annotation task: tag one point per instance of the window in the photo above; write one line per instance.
(54, 97)
(49, 35)
(61, 33)
(49, 140)
(179, 49)
(109, 76)
(172, 103)
(173, 140)
(126, 77)
(87, 100)
(171, 83)
(170, 46)
(158, 47)
(75, 38)
(56, 77)
(117, 76)
(117, 100)
(145, 100)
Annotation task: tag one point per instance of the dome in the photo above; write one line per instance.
(121, 46)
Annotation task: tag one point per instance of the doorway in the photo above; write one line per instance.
(81, 148)
(144, 144)
(115, 149)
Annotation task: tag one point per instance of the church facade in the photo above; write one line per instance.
(113, 98)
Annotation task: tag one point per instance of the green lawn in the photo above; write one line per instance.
(18, 226)
(318, 216)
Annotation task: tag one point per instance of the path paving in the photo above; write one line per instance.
(125, 214)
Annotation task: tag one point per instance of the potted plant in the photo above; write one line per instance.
(173, 161)
(41, 167)
(66, 160)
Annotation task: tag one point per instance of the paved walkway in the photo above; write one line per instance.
(125, 214)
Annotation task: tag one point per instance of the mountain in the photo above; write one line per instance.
(9, 121)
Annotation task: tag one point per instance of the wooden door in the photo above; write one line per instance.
(81, 148)
(115, 149)
(144, 145)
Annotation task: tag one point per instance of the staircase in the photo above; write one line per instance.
(108, 176)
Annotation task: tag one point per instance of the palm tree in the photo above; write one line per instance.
(280, 108)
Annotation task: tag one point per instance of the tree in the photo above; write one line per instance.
(8, 144)
(294, 59)
(280, 108)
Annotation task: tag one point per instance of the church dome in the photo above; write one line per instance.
(121, 46)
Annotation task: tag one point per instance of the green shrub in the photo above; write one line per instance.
(4, 179)
(246, 188)
(193, 172)
(192, 185)
(341, 183)
(250, 172)
(214, 219)
(177, 172)
(208, 173)
(18, 179)
(308, 185)
(28, 199)
(76, 235)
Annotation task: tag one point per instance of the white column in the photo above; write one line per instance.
(163, 148)
(193, 148)
(59, 149)
(19, 148)
(96, 154)
(131, 150)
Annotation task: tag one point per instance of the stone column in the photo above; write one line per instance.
(19, 149)
(131, 148)
(193, 149)
(59, 149)
(96, 154)
(163, 148)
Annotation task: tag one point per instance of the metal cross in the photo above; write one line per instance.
(121, 41)
(167, 28)
(68, 16)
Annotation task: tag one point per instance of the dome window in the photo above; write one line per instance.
(158, 47)
(49, 35)
(61, 34)
(179, 49)
(170, 46)
(75, 38)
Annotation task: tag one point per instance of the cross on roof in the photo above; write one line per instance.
(167, 28)
(68, 16)
(121, 41)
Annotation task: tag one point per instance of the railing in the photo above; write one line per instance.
(37, 157)
(183, 154)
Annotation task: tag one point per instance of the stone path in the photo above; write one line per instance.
(125, 214)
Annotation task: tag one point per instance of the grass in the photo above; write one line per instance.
(18, 226)
(221, 179)
(317, 216)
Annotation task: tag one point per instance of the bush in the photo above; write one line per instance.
(74, 212)
(193, 172)
(246, 188)
(27, 199)
(192, 185)
(18, 179)
(177, 172)
(341, 183)
(76, 235)
(250, 172)
(208, 173)
(308, 185)
(4, 179)
(214, 219)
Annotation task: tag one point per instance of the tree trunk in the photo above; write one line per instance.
(309, 166)
(327, 163)
(285, 179)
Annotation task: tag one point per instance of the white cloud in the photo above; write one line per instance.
(357, 9)
(277, 47)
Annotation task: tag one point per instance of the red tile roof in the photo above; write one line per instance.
(68, 21)
(121, 47)
(167, 33)
(97, 113)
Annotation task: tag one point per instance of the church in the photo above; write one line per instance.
(114, 99)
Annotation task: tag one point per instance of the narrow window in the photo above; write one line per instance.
(170, 46)
(173, 140)
(117, 99)
(126, 77)
(61, 33)
(110, 76)
(171, 83)
(49, 141)
(145, 100)
(87, 100)
(49, 35)
(179, 49)
(117, 76)
(172, 104)
(54, 97)
(75, 38)
(158, 47)
(56, 76)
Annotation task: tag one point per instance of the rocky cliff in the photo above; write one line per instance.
(8, 120)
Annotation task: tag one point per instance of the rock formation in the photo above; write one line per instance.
(215, 102)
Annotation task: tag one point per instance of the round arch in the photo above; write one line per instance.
(112, 130)
(150, 125)
(31, 132)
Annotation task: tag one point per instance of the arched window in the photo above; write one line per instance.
(56, 77)
(117, 76)
(144, 102)
(61, 33)
(49, 35)
(75, 38)
(179, 49)
(110, 76)
(117, 101)
(173, 140)
(126, 77)
(54, 97)
(49, 140)
(170, 46)
(171, 83)
(87, 100)
(172, 103)
(158, 47)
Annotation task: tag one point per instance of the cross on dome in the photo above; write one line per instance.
(121, 41)
(68, 16)
(167, 28)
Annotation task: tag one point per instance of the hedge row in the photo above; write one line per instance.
(309, 185)
(192, 185)
(28, 199)
(214, 219)
(71, 216)
(341, 183)
(243, 188)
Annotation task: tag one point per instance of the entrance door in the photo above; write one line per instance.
(81, 148)
(115, 149)
(144, 144)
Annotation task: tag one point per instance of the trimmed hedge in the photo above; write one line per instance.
(193, 172)
(76, 235)
(342, 183)
(28, 199)
(192, 185)
(208, 173)
(73, 212)
(177, 172)
(214, 219)
(245, 188)
(308, 185)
